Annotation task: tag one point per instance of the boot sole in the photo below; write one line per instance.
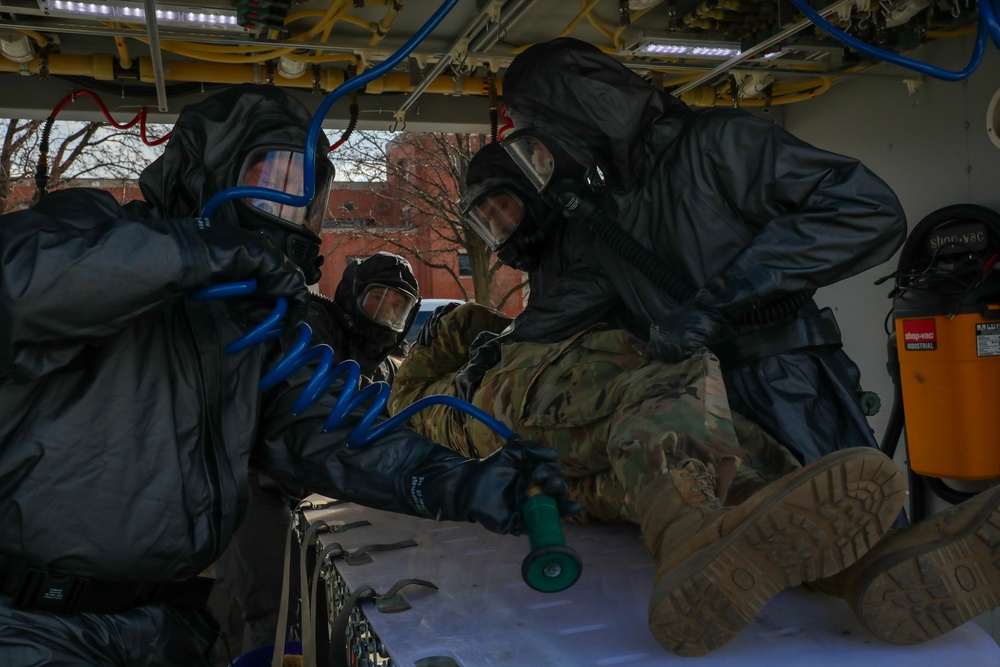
(817, 522)
(925, 591)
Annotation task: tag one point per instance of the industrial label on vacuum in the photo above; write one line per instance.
(988, 339)
(919, 334)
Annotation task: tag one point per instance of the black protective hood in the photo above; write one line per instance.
(212, 138)
(374, 340)
(384, 268)
(492, 161)
(599, 109)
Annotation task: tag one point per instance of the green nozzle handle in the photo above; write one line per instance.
(541, 517)
(551, 566)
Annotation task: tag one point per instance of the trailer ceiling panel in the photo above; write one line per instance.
(690, 47)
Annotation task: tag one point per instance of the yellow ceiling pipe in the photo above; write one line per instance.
(702, 96)
(444, 84)
(123, 58)
(330, 78)
(197, 72)
(100, 66)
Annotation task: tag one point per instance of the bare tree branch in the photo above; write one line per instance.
(15, 138)
(79, 150)
(427, 172)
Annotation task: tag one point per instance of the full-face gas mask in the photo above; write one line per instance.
(513, 220)
(503, 208)
(294, 229)
(387, 306)
(556, 174)
(385, 312)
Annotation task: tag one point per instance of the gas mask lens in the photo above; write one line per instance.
(387, 306)
(534, 159)
(281, 170)
(495, 215)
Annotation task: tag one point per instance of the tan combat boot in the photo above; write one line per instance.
(933, 576)
(717, 568)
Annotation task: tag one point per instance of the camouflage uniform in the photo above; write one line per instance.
(616, 418)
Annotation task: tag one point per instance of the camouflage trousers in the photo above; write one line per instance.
(618, 419)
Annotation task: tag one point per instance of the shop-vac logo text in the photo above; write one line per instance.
(969, 239)
(958, 238)
(919, 335)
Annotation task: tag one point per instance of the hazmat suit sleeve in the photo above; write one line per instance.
(60, 258)
(56, 265)
(819, 217)
(399, 471)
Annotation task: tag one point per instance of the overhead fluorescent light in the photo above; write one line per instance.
(132, 12)
(681, 45)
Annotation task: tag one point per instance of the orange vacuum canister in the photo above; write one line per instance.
(950, 378)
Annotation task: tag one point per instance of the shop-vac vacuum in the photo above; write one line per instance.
(944, 353)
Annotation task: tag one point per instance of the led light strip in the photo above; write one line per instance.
(686, 50)
(128, 12)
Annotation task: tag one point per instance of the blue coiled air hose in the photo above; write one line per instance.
(326, 372)
(550, 567)
(300, 353)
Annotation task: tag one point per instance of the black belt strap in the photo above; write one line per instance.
(37, 590)
(821, 330)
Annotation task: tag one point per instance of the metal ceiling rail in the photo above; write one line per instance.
(757, 48)
(152, 30)
(477, 24)
(493, 33)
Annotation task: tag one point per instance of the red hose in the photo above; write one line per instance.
(140, 117)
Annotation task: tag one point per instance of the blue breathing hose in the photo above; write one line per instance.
(987, 27)
(309, 161)
(326, 373)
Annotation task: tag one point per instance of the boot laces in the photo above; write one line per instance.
(704, 476)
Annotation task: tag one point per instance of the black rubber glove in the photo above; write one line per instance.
(429, 331)
(484, 354)
(740, 287)
(677, 336)
(232, 253)
(489, 491)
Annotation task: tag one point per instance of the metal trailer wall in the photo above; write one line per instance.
(933, 149)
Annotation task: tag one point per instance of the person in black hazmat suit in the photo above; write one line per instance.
(738, 212)
(126, 430)
(633, 434)
(748, 220)
(373, 307)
